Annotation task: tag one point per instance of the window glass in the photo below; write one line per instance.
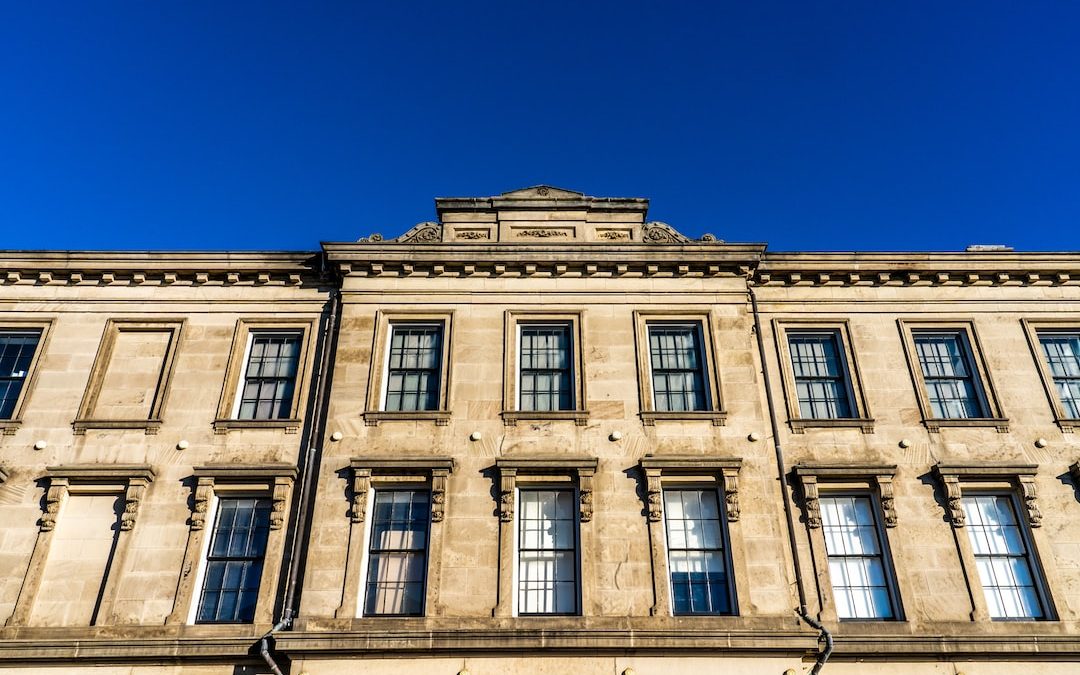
(547, 552)
(820, 377)
(947, 370)
(696, 553)
(856, 564)
(270, 376)
(546, 378)
(397, 557)
(234, 563)
(16, 352)
(678, 368)
(1063, 356)
(1002, 557)
(413, 374)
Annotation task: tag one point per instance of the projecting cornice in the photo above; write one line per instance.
(918, 269)
(519, 260)
(157, 268)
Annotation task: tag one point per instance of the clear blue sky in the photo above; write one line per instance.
(809, 125)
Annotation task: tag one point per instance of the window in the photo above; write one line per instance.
(821, 381)
(413, 370)
(545, 373)
(397, 554)
(17, 349)
(678, 368)
(270, 376)
(856, 564)
(234, 561)
(948, 372)
(696, 557)
(1062, 351)
(1002, 558)
(547, 552)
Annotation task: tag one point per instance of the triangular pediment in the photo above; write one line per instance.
(543, 192)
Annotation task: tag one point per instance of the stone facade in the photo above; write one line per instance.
(106, 523)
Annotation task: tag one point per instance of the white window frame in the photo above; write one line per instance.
(569, 326)
(725, 550)
(384, 389)
(244, 364)
(369, 516)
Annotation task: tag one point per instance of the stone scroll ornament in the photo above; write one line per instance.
(654, 496)
(661, 233)
(133, 496)
(507, 483)
(204, 490)
(438, 495)
(731, 494)
(361, 484)
(585, 496)
(58, 488)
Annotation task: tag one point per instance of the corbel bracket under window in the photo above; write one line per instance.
(1020, 477)
(841, 475)
(582, 469)
(687, 468)
(364, 469)
(130, 479)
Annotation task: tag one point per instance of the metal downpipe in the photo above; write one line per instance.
(825, 636)
(319, 385)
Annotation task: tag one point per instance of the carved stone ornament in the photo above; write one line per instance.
(614, 235)
(279, 503)
(585, 495)
(424, 233)
(438, 495)
(654, 497)
(204, 490)
(1027, 492)
(507, 483)
(888, 505)
(810, 499)
(661, 233)
(473, 234)
(54, 496)
(731, 494)
(954, 499)
(543, 233)
(132, 499)
(360, 486)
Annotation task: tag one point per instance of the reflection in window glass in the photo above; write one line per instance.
(948, 373)
(856, 563)
(547, 552)
(397, 557)
(678, 368)
(16, 352)
(696, 557)
(1002, 557)
(270, 377)
(413, 375)
(546, 380)
(1062, 352)
(820, 378)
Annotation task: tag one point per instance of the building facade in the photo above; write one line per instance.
(540, 434)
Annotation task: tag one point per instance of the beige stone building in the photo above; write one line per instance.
(540, 434)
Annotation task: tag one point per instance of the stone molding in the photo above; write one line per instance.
(811, 476)
(917, 269)
(1020, 477)
(656, 468)
(157, 268)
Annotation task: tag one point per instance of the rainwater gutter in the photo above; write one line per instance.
(781, 467)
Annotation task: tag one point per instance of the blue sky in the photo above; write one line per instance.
(274, 125)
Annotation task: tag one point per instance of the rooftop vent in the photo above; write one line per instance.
(984, 248)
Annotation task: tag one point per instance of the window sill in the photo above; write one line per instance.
(9, 427)
(999, 423)
(223, 426)
(511, 417)
(440, 417)
(799, 426)
(1066, 424)
(650, 417)
(149, 427)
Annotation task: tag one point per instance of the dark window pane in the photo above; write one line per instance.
(1062, 352)
(270, 376)
(678, 372)
(546, 379)
(16, 352)
(821, 382)
(234, 564)
(946, 363)
(413, 377)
